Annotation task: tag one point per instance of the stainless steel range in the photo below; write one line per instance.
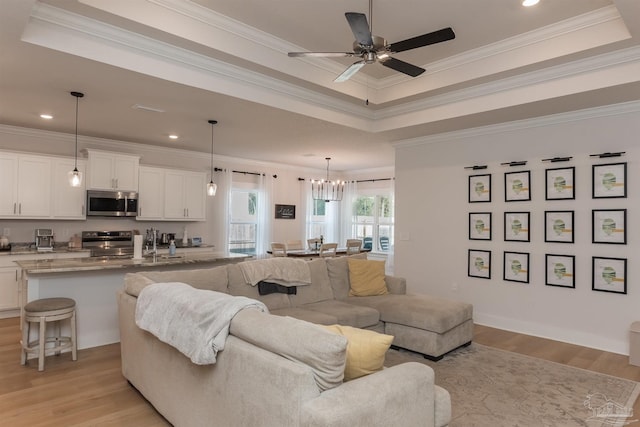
(108, 243)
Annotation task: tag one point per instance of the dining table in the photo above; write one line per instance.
(312, 253)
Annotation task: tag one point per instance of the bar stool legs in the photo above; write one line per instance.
(43, 311)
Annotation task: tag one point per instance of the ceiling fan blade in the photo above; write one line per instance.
(322, 54)
(403, 67)
(353, 68)
(424, 40)
(360, 28)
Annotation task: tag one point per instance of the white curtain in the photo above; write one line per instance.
(224, 192)
(265, 211)
(346, 212)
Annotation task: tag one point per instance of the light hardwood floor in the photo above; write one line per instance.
(92, 391)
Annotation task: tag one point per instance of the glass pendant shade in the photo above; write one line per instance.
(211, 188)
(75, 178)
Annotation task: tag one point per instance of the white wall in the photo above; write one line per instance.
(432, 224)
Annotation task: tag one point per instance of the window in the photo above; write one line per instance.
(373, 221)
(243, 226)
(317, 225)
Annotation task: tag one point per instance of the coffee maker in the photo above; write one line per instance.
(44, 239)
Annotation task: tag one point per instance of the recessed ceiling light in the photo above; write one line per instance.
(173, 136)
(46, 116)
(528, 3)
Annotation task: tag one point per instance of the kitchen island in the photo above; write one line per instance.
(93, 283)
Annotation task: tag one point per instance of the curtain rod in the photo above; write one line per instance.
(244, 172)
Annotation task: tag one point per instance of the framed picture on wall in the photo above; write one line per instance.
(516, 227)
(479, 264)
(609, 275)
(558, 226)
(516, 186)
(480, 226)
(560, 184)
(480, 188)
(609, 180)
(516, 267)
(609, 226)
(560, 270)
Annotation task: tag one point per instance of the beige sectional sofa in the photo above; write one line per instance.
(280, 369)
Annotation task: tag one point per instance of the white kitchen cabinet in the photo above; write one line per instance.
(112, 171)
(25, 186)
(184, 195)
(151, 193)
(9, 288)
(68, 202)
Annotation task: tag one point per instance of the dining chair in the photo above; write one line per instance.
(367, 243)
(278, 249)
(353, 246)
(313, 244)
(328, 250)
(294, 245)
(384, 243)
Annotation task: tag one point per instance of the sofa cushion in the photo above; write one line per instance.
(357, 316)
(134, 283)
(212, 279)
(433, 314)
(338, 270)
(297, 340)
(238, 286)
(365, 350)
(307, 315)
(366, 278)
(320, 288)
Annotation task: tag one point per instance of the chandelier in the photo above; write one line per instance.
(329, 191)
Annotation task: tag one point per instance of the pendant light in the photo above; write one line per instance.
(211, 186)
(75, 177)
(329, 191)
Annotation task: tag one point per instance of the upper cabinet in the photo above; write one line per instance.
(112, 171)
(25, 186)
(68, 202)
(171, 195)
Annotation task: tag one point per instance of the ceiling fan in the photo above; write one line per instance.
(373, 49)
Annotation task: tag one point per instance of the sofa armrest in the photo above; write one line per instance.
(396, 285)
(401, 395)
(443, 407)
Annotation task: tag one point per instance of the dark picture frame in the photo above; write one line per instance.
(517, 227)
(480, 188)
(609, 180)
(560, 183)
(480, 226)
(609, 226)
(285, 211)
(516, 267)
(517, 186)
(479, 264)
(609, 275)
(558, 226)
(560, 270)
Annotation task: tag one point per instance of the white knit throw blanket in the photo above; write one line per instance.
(194, 321)
(284, 271)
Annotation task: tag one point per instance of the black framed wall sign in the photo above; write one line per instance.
(516, 267)
(516, 186)
(480, 226)
(609, 275)
(516, 227)
(609, 226)
(560, 270)
(479, 264)
(609, 180)
(558, 226)
(285, 211)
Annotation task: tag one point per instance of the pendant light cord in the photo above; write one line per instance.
(78, 95)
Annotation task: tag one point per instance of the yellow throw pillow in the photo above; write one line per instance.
(366, 278)
(365, 350)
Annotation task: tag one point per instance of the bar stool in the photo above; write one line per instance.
(44, 311)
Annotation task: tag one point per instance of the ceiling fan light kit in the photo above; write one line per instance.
(371, 49)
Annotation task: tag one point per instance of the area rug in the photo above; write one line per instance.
(495, 388)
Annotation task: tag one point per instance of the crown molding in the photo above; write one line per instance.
(555, 119)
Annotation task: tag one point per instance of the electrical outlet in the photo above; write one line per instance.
(454, 287)
(6, 232)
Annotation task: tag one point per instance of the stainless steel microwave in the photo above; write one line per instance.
(112, 203)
